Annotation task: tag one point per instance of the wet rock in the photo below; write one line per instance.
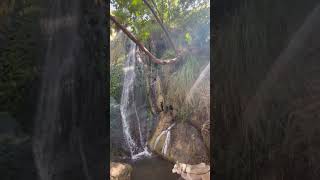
(120, 171)
(186, 144)
(160, 103)
(165, 120)
(157, 97)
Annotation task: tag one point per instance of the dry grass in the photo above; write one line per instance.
(178, 83)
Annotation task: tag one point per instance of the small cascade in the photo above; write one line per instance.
(167, 140)
(131, 125)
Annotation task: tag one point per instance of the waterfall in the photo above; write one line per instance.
(167, 140)
(57, 85)
(137, 146)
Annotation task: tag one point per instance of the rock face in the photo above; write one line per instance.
(186, 144)
(120, 171)
(157, 94)
(117, 142)
(165, 120)
(201, 122)
(205, 132)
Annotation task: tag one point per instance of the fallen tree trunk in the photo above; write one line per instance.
(145, 50)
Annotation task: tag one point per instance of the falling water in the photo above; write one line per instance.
(167, 140)
(137, 146)
(205, 73)
(57, 83)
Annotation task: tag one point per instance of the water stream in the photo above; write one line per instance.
(205, 74)
(167, 140)
(132, 125)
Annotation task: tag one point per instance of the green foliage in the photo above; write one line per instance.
(168, 54)
(188, 38)
(115, 81)
(177, 14)
(188, 23)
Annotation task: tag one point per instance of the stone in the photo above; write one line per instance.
(192, 172)
(186, 143)
(120, 171)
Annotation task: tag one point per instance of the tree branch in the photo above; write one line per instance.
(162, 26)
(145, 50)
(155, 6)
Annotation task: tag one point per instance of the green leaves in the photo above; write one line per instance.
(188, 38)
(115, 81)
(136, 2)
(183, 13)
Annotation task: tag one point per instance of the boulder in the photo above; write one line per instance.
(165, 120)
(200, 119)
(186, 144)
(192, 172)
(120, 171)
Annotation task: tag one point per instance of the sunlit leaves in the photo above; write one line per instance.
(136, 2)
(188, 38)
(190, 16)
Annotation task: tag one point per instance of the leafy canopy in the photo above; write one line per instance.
(185, 16)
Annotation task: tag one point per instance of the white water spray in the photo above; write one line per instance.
(205, 73)
(167, 140)
(136, 151)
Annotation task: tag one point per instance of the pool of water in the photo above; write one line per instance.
(152, 168)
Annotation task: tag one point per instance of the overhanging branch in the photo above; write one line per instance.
(162, 26)
(145, 50)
